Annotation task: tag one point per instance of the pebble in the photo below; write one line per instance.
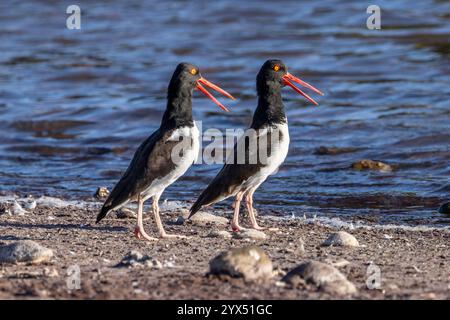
(250, 263)
(50, 272)
(30, 205)
(220, 234)
(5, 209)
(18, 210)
(125, 213)
(24, 251)
(136, 259)
(341, 238)
(101, 193)
(252, 234)
(368, 164)
(445, 208)
(202, 218)
(326, 277)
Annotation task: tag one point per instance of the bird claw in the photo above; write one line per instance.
(173, 236)
(237, 228)
(138, 234)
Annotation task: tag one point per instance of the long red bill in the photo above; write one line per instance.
(214, 87)
(303, 83)
(287, 80)
(209, 95)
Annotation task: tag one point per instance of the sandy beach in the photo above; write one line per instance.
(414, 262)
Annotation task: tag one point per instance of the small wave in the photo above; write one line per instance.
(337, 223)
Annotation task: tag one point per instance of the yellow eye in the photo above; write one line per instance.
(193, 71)
(276, 67)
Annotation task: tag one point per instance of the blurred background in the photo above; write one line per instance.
(75, 104)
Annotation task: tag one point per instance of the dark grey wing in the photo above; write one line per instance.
(233, 174)
(134, 178)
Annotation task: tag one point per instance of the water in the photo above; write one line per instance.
(74, 104)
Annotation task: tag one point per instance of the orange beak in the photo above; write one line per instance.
(214, 87)
(289, 77)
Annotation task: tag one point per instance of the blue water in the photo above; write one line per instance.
(75, 104)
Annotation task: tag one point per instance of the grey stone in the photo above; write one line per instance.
(341, 238)
(250, 263)
(220, 234)
(202, 218)
(18, 210)
(101, 193)
(327, 278)
(125, 213)
(136, 259)
(26, 251)
(5, 208)
(250, 234)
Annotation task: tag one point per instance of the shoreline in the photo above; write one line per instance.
(414, 263)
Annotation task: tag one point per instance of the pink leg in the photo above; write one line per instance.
(237, 204)
(139, 231)
(161, 231)
(251, 213)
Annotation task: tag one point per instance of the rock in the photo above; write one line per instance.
(250, 234)
(202, 218)
(30, 205)
(250, 263)
(18, 210)
(220, 234)
(24, 251)
(341, 238)
(341, 263)
(367, 164)
(51, 273)
(136, 259)
(322, 151)
(125, 213)
(301, 246)
(445, 208)
(101, 193)
(327, 278)
(5, 209)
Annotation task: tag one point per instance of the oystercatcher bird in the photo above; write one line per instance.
(261, 150)
(166, 155)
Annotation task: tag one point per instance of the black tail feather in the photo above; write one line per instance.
(103, 212)
(209, 196)
(195, 207)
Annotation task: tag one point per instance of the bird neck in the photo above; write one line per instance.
(270, 109)
(179, 108)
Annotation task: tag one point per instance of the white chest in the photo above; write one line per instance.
(279, 146)
(188, 138)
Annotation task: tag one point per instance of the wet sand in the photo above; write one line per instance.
(414, 264)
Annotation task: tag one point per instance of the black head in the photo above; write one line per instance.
(270, 76)
(185, 77)
(274, 75)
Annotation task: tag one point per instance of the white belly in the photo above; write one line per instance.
(181, 165)
(276, 158)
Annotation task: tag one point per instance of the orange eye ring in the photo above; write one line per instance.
(276, 67)
(193, 71)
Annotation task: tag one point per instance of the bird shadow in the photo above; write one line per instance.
(49, 226)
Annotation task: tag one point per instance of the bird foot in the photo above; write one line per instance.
(141, 236)
(237, 228)
(258, 227)
(172, 236)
